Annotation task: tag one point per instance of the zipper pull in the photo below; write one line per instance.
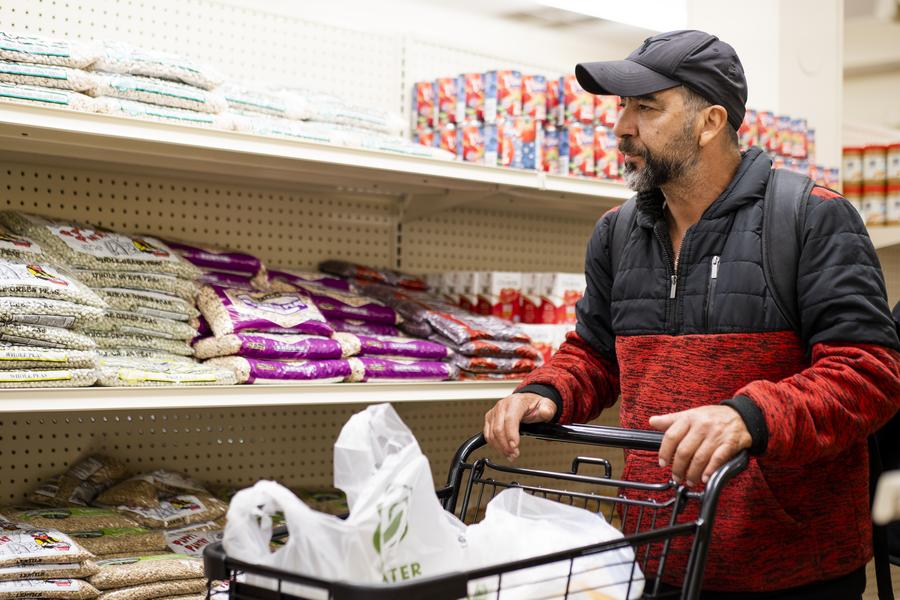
(674, 286)
(714, 271)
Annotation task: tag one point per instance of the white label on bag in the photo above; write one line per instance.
(126, 292)
(105, 244)
(10, 241)
(44, 71)
(29, 93)
(148, 332)
(32, 45)
(30, 571)
(52, 586)
(7, 354)
(19, 376)
(173, 509)
(24, 341)
(24, 546)
(192, 542)
(142, 376)
(40, 275)
(160, 314)
(43, 320)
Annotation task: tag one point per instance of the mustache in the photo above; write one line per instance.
(629, 146)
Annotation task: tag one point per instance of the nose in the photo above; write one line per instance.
(625, 124)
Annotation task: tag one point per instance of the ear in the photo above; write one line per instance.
(713, 120)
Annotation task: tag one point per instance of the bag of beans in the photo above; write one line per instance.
(80, 484)
(363, 327)
(400, 347)
(49, 571)
(43, 312)
(43, 280)
(335, 304)
(277, 346)
(492, 348)
(144, 490)
(47, 51)
(299, 278)
(59, 589)
(121, 540)
(217, 259)
(126, 572)
(118, 57)
(72, 519)
(230, 311)
(487, 364)
(22, 545)
(251, 370)
(379, 369)
(47, 97)
(48, 76)
(158, 91)
(390, 277)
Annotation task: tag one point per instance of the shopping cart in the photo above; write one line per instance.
(667, 526)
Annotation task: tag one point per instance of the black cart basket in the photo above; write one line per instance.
(667, 526)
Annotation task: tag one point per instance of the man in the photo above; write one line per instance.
(687, 331)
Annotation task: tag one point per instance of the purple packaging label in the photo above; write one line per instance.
(402, 347)
(384, 369)
(310, 370)
(218, 260)
(291, 312)
(302, 277)
(364, 328)
(230, 280)
(289, 347)
(339, 305)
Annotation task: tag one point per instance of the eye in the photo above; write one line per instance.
(644, 107)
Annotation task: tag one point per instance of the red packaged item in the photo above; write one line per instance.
(576, 150)
(550, 158)
(606, 110)
(502, 95)
(784, 136)
(767, 131)
(500, 295)
(748, 132)
(484, 364)
(606, 153)
(578, 105)
(534, 97)
(469, 97)
(423, 104)
(468, 283)
(447, 138)
(424, 136)
(799, 142)
(531, 297)
(387, 276)
(554, 103)
(565, 290)
(470, 145)
(445, 101)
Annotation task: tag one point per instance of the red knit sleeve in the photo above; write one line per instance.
(586, 381)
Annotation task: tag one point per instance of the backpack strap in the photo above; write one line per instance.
(621, 229)
(784, 212)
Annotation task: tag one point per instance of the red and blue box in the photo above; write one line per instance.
(502, 95)
(423, 108)
(445, 101)
(469, 97)
(534, 97)
(470, 142)
(576, 149)
(577, 104)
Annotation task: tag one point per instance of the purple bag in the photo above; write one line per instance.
(251, 370)
(276, 346)
(380, 369)
(230, 311)
(335, 304)
(416, 329)
(301, 278)
(229, 280)
(217, 260)
(401, 348)
(364, 328)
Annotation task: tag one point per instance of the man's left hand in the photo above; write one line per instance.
(700, 440)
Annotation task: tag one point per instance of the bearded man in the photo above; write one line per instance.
(684, 326)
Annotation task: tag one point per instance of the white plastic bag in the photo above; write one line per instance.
(518, 525)
(396, 531)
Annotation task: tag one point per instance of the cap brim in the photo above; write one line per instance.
(621, 78)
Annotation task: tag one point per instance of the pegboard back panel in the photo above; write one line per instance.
(282, 228)
(890, 264)
(244, 41)
(234, 446)
(495, 240)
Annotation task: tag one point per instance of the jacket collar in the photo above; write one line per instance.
(748, 185)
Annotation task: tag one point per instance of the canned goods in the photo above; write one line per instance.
(875, 165)
(874, 204)
(445, 101)
(893, 163)
(853, 165)
(576, 150)
(534, 97)
(502, 95)
(470, 142)
(893, 204)
(551, 150)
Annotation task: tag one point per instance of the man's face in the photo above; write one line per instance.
(656, 135)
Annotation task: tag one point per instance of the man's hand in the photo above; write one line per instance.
(700, 440)
(501, 423)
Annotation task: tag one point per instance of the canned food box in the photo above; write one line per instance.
(852, 162)
(874, 164)
(469, 97)
(534, 97)
(502, 95)
(423, 104)
(577, 104)
(551, 150)
(509, 144)
(446, 98)
(576, 150)
(606, 110)
(470, 145)
(606, 153)
(874, 204)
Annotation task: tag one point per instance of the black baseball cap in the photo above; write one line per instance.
(691, 58)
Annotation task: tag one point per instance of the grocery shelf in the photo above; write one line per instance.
(883, 237)
(120, 144)
(179, 397)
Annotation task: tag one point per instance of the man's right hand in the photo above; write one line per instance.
(501, 423)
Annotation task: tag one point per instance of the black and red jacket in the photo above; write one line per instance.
(710, 333)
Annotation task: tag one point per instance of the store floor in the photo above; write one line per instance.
(872, 588)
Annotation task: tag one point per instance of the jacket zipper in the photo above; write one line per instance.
(711, 290)
(670, 271)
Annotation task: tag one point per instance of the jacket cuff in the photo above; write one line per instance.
(547, 391)
(755, 421)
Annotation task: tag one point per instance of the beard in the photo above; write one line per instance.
(676, 159)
